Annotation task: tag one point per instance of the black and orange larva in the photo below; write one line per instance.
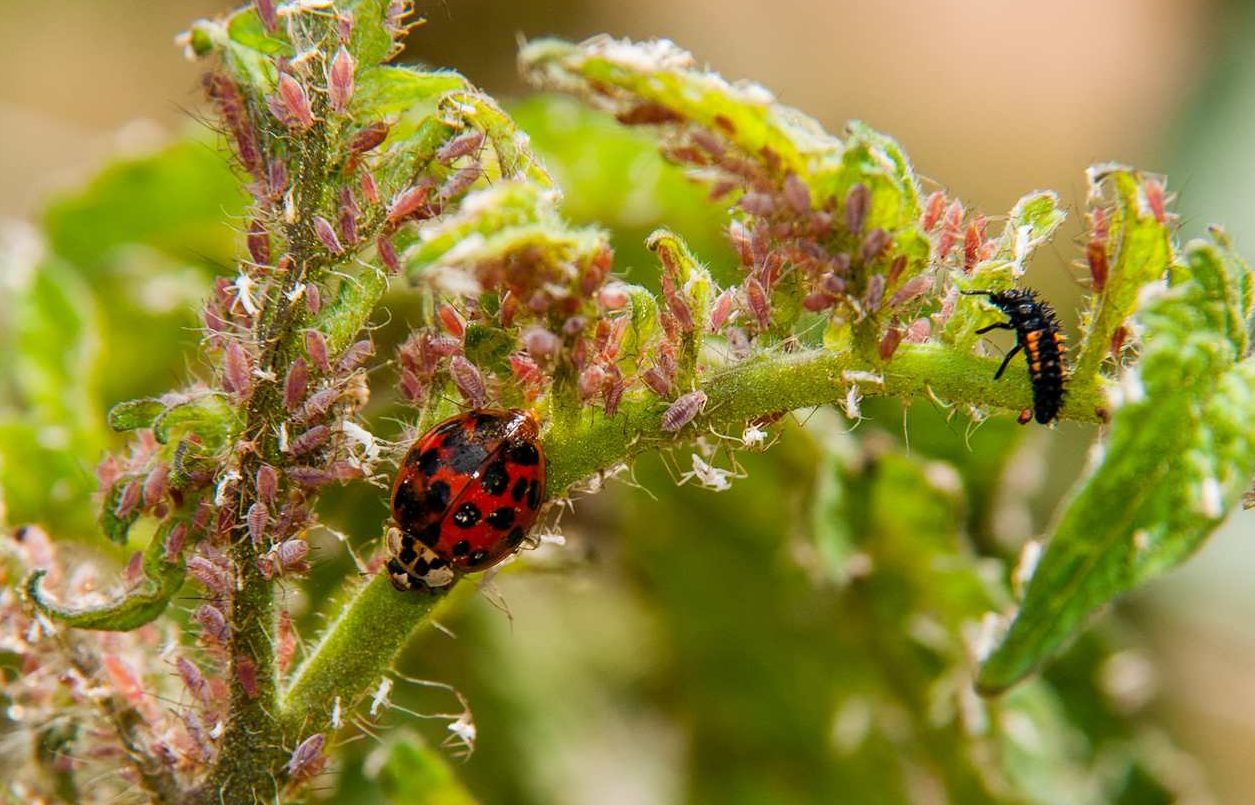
(1037, 333)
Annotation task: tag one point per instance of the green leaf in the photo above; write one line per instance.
(341, 320)
(1140, 249)
(209, 415)
(135, 414)
(489, 347)
(390, 90)
(137, 607)
(415, 774)
(1181, 453)
(371, 41)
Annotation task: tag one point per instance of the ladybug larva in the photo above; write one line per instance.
(465, 496)
(1037, 333)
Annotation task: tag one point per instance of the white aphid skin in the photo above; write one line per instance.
(382, 693)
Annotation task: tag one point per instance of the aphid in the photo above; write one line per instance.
(340, 81)
(294, 110)
(307, 758)
(856, 202)
(933, 207)
(295, 384)
(256, 519)
(796, 194)
(683, 410)
(316, 348)
(388, 254)
(213, 622)
(1037, 333)
(237, 369)
(327, 235)
(469, 380)
(368, 139)
(465, 496)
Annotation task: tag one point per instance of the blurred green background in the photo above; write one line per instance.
(678, 647)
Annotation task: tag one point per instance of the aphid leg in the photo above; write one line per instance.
(1007, 359)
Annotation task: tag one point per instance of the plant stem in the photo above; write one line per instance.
(354, 652)
(374, 626)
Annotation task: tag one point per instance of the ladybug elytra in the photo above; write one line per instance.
(465, 496)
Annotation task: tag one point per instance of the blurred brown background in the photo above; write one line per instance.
(990, 98)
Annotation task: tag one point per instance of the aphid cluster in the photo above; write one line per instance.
(466, 494)
(1037, 334)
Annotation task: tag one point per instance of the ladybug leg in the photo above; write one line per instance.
(1007, 359)
(1002, 325)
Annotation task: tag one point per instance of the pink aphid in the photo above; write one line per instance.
(796, 194)
(1156, 200)
(258, 242)
(266, 13)
(683, 411)
(525, 370)
(313, 299)
(237, 369)
(388, 254)
(408, 202)
(267, 483)
(316, 348)
(889, 344)
(286, 650)
(194, 680)
(541, 344)
(128, 501)
(657, 381)
(741, 241)
(310, 440)
(124, 679)
(215, 579)
(758, 303)
(176, 538)
(461, 180)
(257, 518)
(348, 224)
(295, 384)
(912, 290)
(933, 207)
(246, 675)
(856, 203)
(951, 225)
(295, 102)
(590, 381)
(308, 758)
(919, 331)
(340, 81)
(368, 139)
(213, 623)
(327, 235)
(722, 309)
(355, 355)
(874, 244)
(451, 320)
(156, 484)
(614, 296)
(469, 380)
(319, 403)
(677, 304)
(133, 573)
(468, 142)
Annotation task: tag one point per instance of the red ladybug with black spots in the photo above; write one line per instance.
(465, 496)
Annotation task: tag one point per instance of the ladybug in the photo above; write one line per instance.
(1037, 333)
(465, 496)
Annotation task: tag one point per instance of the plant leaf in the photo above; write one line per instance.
(1180, 454)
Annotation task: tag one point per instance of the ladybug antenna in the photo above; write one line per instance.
(977, 293)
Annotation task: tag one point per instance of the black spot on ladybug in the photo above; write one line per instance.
(533, 495)
(421, 566)
(462, 547)
(484, 421)
(407, 554)
(429, 462)
(437, 498)
(429, 534)
(1037, 334)
(515, 538)
(519, 490)
(437, 562)
(467, 515)
(496, 478)
(467, 459)
(478, 558)
(501, 519)
(407, 506)
(522, 453)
